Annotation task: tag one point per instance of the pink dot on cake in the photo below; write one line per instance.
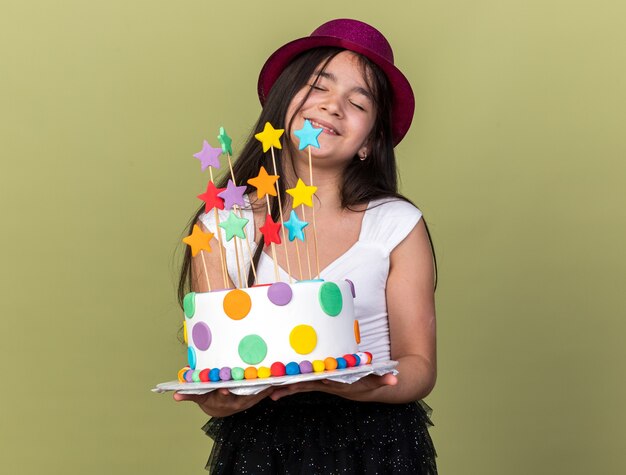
(279, 293)
(237, 304)
(201, 335)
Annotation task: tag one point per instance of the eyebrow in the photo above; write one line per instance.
(333, 78)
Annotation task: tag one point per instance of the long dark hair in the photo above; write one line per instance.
(363, 181)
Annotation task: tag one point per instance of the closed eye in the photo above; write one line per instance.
(358, 106)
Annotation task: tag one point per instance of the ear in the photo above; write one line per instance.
(363, 151)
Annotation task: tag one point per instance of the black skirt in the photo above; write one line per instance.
(317, 433)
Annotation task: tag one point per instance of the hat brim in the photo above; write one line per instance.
(403, 104)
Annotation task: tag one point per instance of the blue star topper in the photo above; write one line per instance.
(308, 135)
(295, 227)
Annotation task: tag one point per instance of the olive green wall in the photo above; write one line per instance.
(516, 156)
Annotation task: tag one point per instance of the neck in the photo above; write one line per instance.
(327, 180)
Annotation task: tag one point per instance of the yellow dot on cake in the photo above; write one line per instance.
(303, 339)
(237, 304)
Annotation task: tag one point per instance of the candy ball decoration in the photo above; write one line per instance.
(292, 368)
(277, 369)
(225, 374)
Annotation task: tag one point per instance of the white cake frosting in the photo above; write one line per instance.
(263, 325)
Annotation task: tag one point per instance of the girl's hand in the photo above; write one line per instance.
(222, 403)
(362, 390)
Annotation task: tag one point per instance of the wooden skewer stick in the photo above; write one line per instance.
(206, 274)
(238, 210)
(276, 274)
(317, 256)
(306, 244)
(298, 256)
(219, 238)
(282, 220)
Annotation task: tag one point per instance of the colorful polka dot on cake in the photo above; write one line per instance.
(191, 357)
(201, 335)
(357, 332)
(279, 293)
(252, 349)
(237, 304)
(189, 304)
(330, 298)
(303, 339)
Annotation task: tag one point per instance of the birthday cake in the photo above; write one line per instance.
(270, 330)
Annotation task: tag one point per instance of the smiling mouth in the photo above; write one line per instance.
(328, 130)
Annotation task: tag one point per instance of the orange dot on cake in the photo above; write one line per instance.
(237, 304)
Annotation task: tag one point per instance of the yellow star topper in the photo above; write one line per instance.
(302, 194)
(264, 183)
(198, 240)
(269, 137)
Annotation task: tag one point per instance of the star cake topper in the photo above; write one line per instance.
(211, 197)
(302, 194)
(308, 135)
(198, 240)
(270, 231)
(233, 195)
(269, 137)
(295, 227)
(234, 226)
(264, 183)
(208, 156)
(226, 141)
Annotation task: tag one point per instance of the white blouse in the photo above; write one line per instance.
(386, 222)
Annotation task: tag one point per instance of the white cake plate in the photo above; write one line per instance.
(247, 387)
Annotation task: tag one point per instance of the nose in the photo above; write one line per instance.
(332, 105)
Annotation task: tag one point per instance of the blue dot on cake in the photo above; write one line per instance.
(191, 357)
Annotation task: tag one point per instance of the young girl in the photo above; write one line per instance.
(343, 80)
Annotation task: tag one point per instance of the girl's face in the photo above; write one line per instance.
(341, 103)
